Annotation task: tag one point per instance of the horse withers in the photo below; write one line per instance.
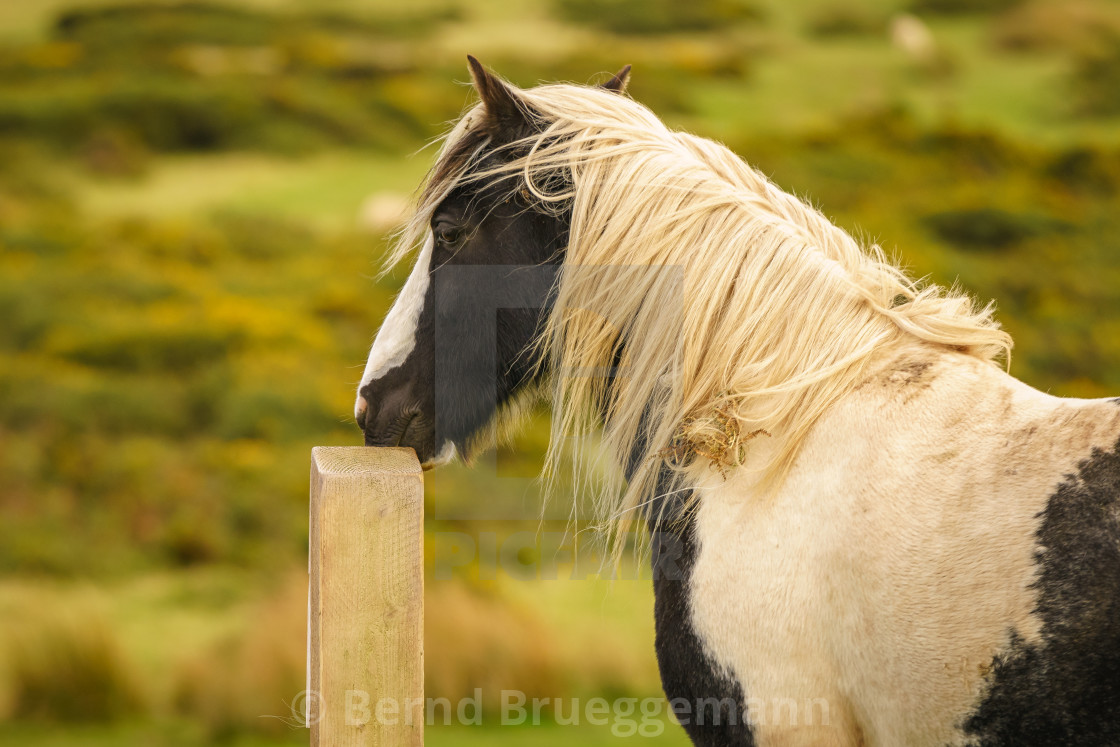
(863, 531)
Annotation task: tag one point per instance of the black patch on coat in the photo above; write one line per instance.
(1065, 689)
(708, 703)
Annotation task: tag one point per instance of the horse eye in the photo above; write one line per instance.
(447, 234)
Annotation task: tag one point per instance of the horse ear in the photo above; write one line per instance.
(506, 117)
(619, 82)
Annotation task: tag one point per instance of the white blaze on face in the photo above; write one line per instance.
(397, 336)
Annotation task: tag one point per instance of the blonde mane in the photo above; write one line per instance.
(732, 309)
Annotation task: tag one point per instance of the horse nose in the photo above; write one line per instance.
(361, 409)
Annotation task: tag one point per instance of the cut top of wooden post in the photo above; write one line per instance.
(365, 657)
(344, 460)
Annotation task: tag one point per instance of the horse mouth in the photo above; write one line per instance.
(409, 430)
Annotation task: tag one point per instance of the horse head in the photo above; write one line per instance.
(458, 345)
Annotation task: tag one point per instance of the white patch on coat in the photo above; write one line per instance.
(397, 336)
(886, 573)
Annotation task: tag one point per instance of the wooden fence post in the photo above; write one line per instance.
(365, 629)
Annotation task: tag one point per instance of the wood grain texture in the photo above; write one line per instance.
(366, 598)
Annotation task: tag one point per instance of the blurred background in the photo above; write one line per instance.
(194, 199)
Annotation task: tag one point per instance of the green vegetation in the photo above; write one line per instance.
(960, 7)
(658, 16)
(194, 198)
(844, 19)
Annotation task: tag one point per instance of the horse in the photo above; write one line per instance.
(850, 503)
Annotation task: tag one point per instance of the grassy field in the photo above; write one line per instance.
(236, 665)
(176, 735)
(327, 191)
(194, 201)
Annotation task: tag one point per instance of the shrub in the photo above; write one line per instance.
(181, 115)
(161, 112)
(1096, 79)
(1085, 169)
(659, 16)
(126, 24)
(973, 151)
(199, 77)
(132, 24)
(258, 238)
(154, 349)
(273, 411)
(1068, 27)
(27, 316)
(1087, 32)
(845, 20)
(989, 228)
(962, 7)
(112, 152)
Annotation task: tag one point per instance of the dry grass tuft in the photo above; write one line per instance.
(474, 638)
(247, 682)
(66, 664)
(723, 442)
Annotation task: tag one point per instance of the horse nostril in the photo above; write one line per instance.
(361, 409)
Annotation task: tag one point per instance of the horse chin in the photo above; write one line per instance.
(446, 455)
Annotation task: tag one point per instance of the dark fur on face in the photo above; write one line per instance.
(496, 256)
